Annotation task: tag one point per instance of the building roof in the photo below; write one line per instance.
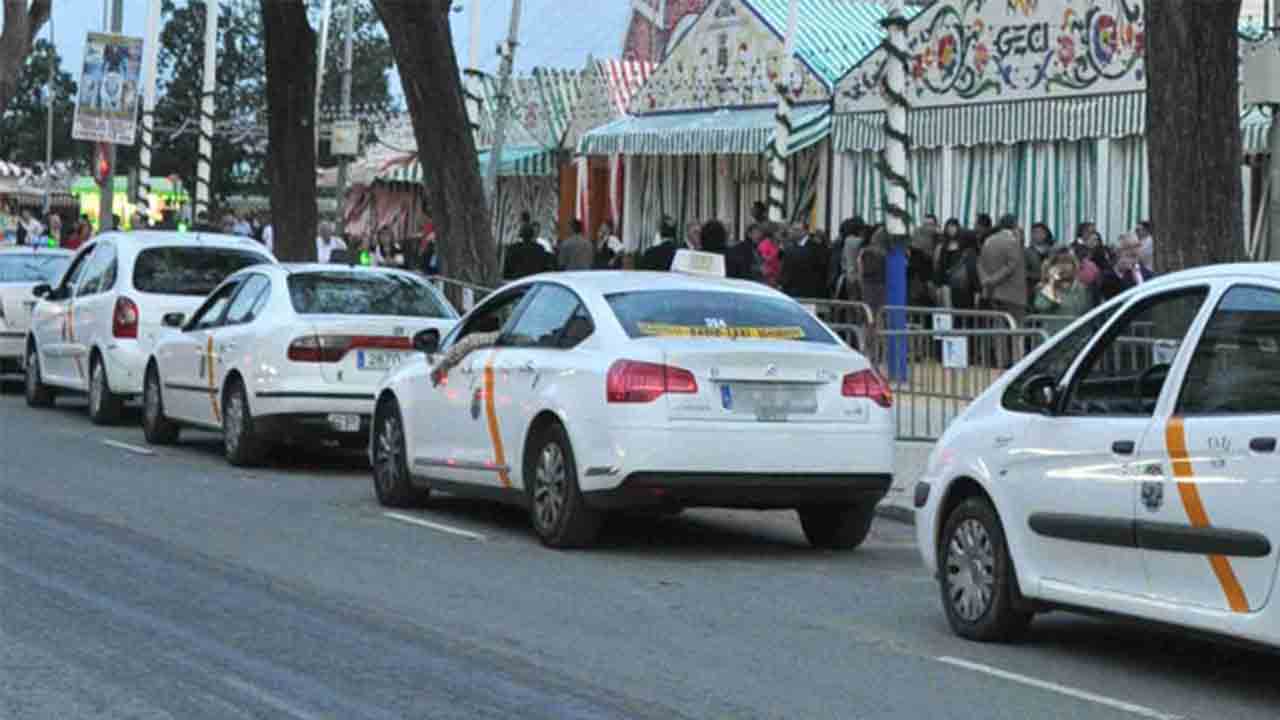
(832, 36)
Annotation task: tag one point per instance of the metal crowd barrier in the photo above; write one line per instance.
(462, 294)
(853, 321)
(944, 371)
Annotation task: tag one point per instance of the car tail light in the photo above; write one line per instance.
(124, 321)
(867, 384)
(332, 348)
(631, 381)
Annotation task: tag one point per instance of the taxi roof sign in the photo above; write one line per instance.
(693, 262)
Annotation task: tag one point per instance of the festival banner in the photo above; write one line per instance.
(107, 107)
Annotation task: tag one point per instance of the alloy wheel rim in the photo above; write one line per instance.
(970, 570)
(550, 481)
(387, 455)
(234, 422)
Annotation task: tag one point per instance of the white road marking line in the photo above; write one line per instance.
(1139, 710)
(435, 526)
(129, 448)
(268, 699)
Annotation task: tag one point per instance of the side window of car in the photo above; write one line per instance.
(75, 273)
(1236, 365)
(1054, 363)
(490, 317)
(252, 290)
(1125, 371)
(210, 314)
(547, 318)
(92, 282)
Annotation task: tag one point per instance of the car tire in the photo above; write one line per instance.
(976, 575)
(104, 405)
(557, 509)
(239, 443)
(38, 394)
(392, 483)
(837, 528)
(156, 427)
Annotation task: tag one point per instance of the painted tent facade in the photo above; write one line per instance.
(694, 142)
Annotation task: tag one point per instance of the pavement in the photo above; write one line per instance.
(144, 582)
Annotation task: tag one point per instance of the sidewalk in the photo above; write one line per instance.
(911, 460)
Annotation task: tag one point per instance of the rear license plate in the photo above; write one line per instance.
(377, 359)
(344, 422)
(769, 402)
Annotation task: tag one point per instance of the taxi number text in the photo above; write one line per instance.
(377, 359)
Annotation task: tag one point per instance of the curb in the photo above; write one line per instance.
(897, 513)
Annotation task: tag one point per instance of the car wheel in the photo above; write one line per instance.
(104, 405)
(38, 394)
(158, 429)
(239, 443)
(560, 514)
(837, 528)
(977, 579)
(391, 481)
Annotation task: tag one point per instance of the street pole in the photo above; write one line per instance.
(150, 58)
(893, 166)
(1272, 250)
(48, 120)
(471, 88)
(500, 123)
(105, 201)
(347, 55)
(324, 52)
(209, 85)
(782, 118)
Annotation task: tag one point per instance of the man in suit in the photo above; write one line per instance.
(575, 252)
(802, 274)
(527, 257)
(1128, 271)
(1002, 270)
(660, 256)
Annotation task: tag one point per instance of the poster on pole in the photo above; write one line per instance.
(107, 107)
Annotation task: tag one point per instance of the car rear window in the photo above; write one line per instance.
(362, 293)
(715, 314)
(33, 268)
(189, 270)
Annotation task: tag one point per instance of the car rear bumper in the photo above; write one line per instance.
(311, 429)
(742, 490)
(13, 344)
(126, 362)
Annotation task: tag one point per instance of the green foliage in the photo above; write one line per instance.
(22, 128)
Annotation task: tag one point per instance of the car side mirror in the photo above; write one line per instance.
(1041, 393)
(427, 341)
(173, 319)
(42, 290)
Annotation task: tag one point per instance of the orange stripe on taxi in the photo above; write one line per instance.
(1176, 439)
(491, 414)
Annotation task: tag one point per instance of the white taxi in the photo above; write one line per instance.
(22, 269)
(1128, 466)
(573, 394)
(287, 354)
(95, 329)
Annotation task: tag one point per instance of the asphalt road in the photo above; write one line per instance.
(171, 585)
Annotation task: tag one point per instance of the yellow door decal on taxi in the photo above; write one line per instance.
(213, 385)
(69, 335)
(1176, 439)
(491, 414)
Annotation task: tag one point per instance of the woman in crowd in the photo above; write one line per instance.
(1062, 293)
(871, 270)
(609, 248)
(768, 251)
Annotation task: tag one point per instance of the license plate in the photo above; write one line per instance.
(344, 422)
(377, 359)
(769, 402)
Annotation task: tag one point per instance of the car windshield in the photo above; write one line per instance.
(189, 270)
(32, 268)
(363, 293)
(715, 314)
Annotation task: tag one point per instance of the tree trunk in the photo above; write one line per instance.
(428, 68)
(291, 157)
(18, 29)
(1193, 132)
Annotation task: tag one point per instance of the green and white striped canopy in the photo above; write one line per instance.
(1112, 116)
(517, 161)
(747, 131)
(832, 36)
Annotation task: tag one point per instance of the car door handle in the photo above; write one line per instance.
(528, 367)
(227, 347)
(1263, 444)
(1123, 447)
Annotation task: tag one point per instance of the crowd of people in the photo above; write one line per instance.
(988, 266)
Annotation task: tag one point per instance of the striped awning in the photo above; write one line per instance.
(832, 36)
(1255, 127)
(517, 161)
(714, 132)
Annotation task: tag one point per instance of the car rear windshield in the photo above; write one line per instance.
(362, 293)
(715, 314)
(24, 268)
(189, 270)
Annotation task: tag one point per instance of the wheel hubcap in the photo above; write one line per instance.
(387, 455)
(234, 421)
(970, 570)
(549, 489)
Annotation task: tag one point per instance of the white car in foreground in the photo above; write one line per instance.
(1128, 466)
(95, 329)
(22, 269)
(287, 354)
(574, 394)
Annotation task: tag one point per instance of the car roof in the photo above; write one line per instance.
(34, 250)
(163, 238)
(607, 282)
(1267, 270)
